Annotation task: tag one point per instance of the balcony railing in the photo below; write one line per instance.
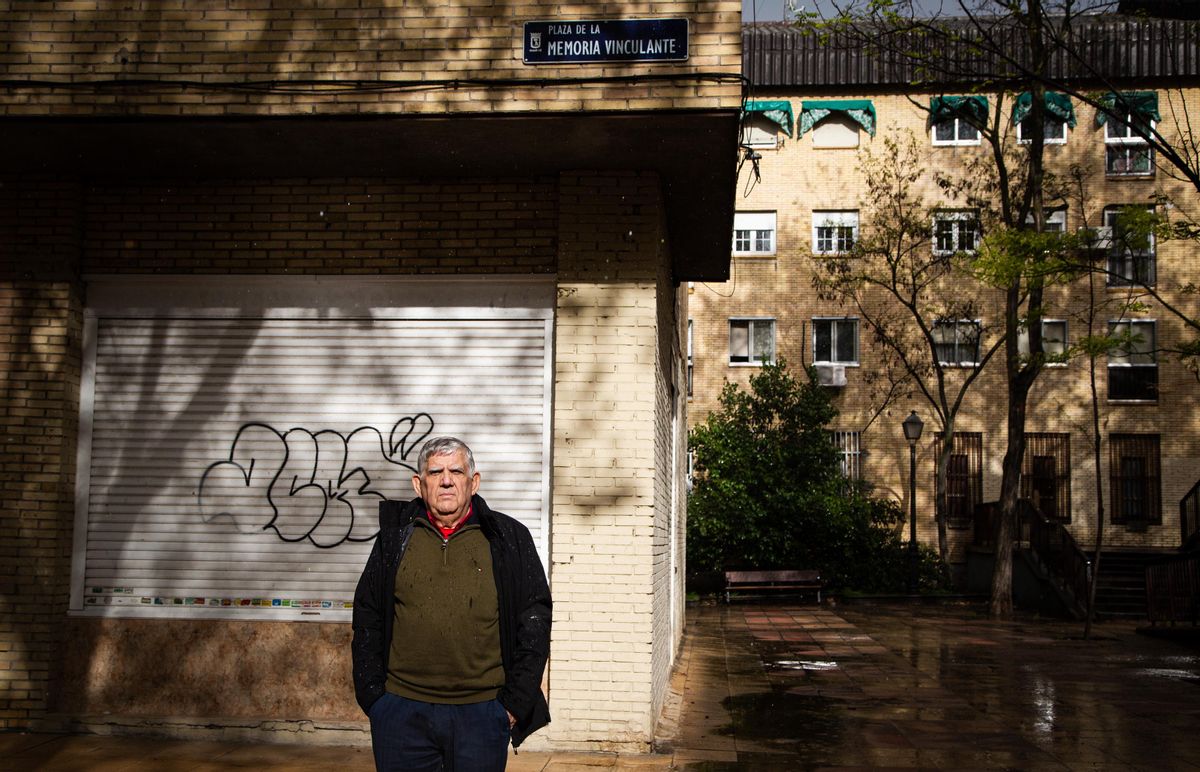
(1189, 517)
(1051, 543)
(1056, 549)
(1173, 590)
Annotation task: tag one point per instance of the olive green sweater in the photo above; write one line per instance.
(446, 621)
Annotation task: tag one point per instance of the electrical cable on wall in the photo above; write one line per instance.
(360, 86)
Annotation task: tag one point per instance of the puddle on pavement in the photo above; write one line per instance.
(1191, 676)
(802, 664)
(783, 717)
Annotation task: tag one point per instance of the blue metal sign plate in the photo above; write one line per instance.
(606, 40)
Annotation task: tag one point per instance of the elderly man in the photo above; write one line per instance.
(451, 625)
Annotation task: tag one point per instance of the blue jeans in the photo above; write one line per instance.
(413, 736)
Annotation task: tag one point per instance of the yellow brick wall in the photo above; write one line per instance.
(670, 494)
(228, 50)
(604, 506)
(40, 330)
(798, 179)
(326, 226)
(39, 335)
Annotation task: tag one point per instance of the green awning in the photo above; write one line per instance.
(1057, 105)
(861, 111)
(778, 112)
(1143, 104)
(973, 108)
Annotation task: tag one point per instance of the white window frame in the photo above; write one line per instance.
(1128, 140)
(955, 216)
(751, 323)
(690, 361)
(833, 340)
(956, 323)
(1059, 139)
(836, 221)
(1121, 257)
(958, 124)
(1114, 359)
(754, 225)
(1023, 341)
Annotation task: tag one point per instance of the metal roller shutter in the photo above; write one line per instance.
(234, 465)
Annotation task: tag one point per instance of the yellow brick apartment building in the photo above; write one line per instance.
(815, 116)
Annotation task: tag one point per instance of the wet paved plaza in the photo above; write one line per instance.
(799, 687)
(902, 687)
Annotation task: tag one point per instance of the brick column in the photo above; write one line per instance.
(40, 329)
(603, 501)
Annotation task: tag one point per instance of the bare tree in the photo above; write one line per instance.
(1007, 186)
(896, 279)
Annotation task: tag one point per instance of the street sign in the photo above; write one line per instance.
(606, 40)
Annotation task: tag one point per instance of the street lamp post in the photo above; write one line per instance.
(912, 432)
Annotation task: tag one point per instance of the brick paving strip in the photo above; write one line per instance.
(803, 687)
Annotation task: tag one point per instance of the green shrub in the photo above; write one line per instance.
(768, 493)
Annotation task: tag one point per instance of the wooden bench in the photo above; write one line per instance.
(737, 581)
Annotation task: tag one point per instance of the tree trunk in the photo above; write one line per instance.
(1019, 379)
(1095, 577)
(941, 494)
(1010, 488)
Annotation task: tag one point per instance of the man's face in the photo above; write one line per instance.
(446, 486)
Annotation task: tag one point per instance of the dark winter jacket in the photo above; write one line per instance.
(524, 610)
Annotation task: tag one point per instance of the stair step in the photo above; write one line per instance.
(1121, 587)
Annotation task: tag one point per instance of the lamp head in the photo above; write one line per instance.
(913, 425)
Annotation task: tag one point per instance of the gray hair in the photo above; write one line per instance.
(444, 446)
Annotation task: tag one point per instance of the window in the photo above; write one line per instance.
(1046, 474)
(849, 445)
(1131, 256)
(836, 123)
(955, 232)
(689, 362)
(1054, 130)
(1054, 341)
(957, 342)
(836, 132)
(834, 232)
(964, 477)
(764, 120)
(1133, 364)
(760, 132)
(751, 341)
(955, 131)
(1053, 220)
(835, 341)
(754, 233)
(954, 120)
(1134, 478)
(1126, 153)
(1058, 116)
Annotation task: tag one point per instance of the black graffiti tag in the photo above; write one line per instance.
(321, 486)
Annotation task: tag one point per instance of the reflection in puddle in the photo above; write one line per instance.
(1167, 672)
(803, 664)
(1044, 706)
